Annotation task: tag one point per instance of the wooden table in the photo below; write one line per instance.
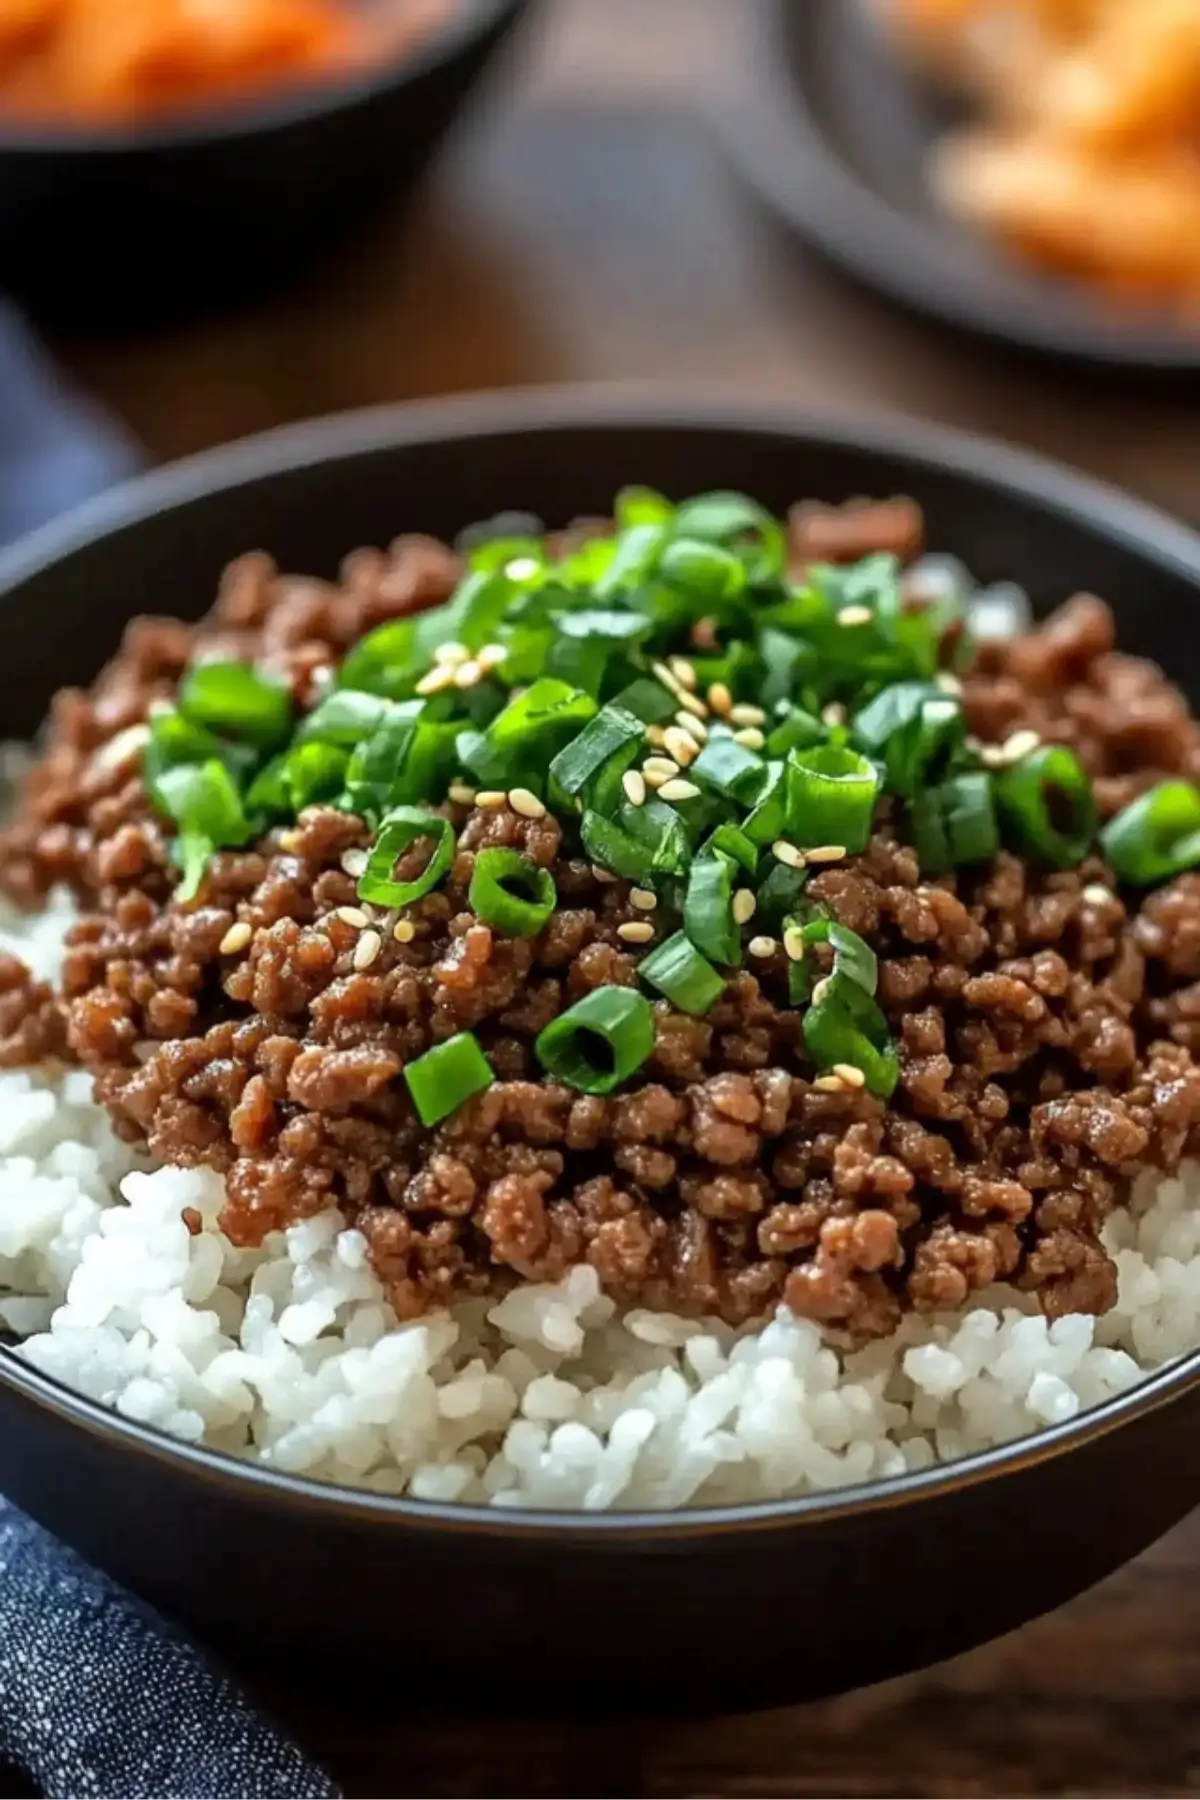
(584, 227)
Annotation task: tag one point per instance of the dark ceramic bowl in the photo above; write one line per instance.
(121, 227)
(699, 1610)
(831, 132)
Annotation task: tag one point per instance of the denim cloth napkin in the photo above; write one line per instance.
(98, 1694)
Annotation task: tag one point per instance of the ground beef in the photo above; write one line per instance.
(1046, 1032)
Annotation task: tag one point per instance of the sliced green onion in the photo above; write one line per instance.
(1156, 836)
(512, 892)
(647, 700)
(378, 759)
(300, 777)
(766, 818)
(708, 908)
(741, 525)
(175, 741)
(385, 662)
(521, 741)
(613, 733)
(495, 555)
(446, 1076)
(780, 893)
(661, 830)
(632, 560)
(728, 766)
(853, 957)
(831, 795)
(190, 855)
(1047, 806)
(642, 506)
(846, 1026)
(787, 660)
(611, 847)
(600, 1041)
(677, 969)
(955, 823)
(344, 717)
(233, 697)
(401, 827)
(205, 805)
(703, 571)
(732, 841)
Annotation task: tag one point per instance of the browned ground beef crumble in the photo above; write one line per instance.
(1047, 1033)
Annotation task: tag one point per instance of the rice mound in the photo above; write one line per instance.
(553, 1397)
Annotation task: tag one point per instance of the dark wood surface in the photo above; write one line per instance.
(583, 227)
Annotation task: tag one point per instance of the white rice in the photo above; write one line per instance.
(290, 1356)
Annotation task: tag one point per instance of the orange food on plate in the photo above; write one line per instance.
(1086, 154)
(112, 60)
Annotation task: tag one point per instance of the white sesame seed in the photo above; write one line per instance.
(681, 745)
(747, 715)
(451, 654)
(602, 875)
(637, 931)
(522, 567)
(1020, 745)
(854, 615)
(669, 680)
(821, 989)
(491, 799)
(661, 766)
(353, 862)
(352, 915)
(404, 931)
(744, 904)
(849, 1074)
(992, 756)
(491, 656)
(949, 683)
(437, 681)
(121, 749)
(793, 943)
(833, 714)
(787, 853)
(321, 679)
(656, 736)
(763, 946)
(523, 801)
(289, 840)
(678, 790)
(461, 794)
(236, 938)
(467, 675)
(830, 1084)
(693, 703)
(750, 738)
(704, 634)
(367, 949)
(634, 783)
(683, 672)
(720, 699)
(645, 899)
(1096, 894)
(694, 727)
(825, 853)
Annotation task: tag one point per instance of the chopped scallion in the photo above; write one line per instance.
(677, 969)
(512, 892)
(600, 1041)
(402, 827)
(446, 1076)
(1156, 836)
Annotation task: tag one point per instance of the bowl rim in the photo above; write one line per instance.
(775, 143)
(271, 110)
(1010, 473)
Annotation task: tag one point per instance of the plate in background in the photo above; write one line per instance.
(832, 133)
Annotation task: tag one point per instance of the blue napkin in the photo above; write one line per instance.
(98, 1694)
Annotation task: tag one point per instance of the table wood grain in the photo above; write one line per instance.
(583, 227)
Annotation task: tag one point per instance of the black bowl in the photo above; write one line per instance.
(121, 227)
(704, 1610)
(832, 132)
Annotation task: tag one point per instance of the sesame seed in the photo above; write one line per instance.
(854, 615)
(661, 766)
(949, 683)
(833, 714)
(693, 703)
(491, 799)
(522, 567)
(461, 794)
(491, 656)
(992, 756)
(523, 801)
(404, 931)
(1096, 894)
(678, 790)
(787, 853)
(751, 738)
(289, 840)
(437, 681)
(747, 715)
(667, 676)
(236, 938)
(121, 749)
(744, 905)
(321, 679)
(683, 672)
(367, 949)
(720, 699)
(821, 989)
(681, 745)
(694, 727)
(825, 853)
(704, 634)
(352, 915)
(645, 899)
(793, 943)
(603, 875)
(353, 862)
(1019, 745)
(763, 946)
(634, 784)
(467, 675)
(973, 744)
(830, 1084)
(451, 654)
(849, 1074)
(656, 736)
(637, 931)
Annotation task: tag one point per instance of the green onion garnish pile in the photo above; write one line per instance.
(704, 727)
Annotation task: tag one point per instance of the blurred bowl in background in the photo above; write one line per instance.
(127, 225)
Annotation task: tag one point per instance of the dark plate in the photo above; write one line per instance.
(118, 228)
(832, 132)
(699, 1610)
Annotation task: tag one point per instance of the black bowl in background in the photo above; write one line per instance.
(831, 132)
(120, 228)
(699, 1610)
